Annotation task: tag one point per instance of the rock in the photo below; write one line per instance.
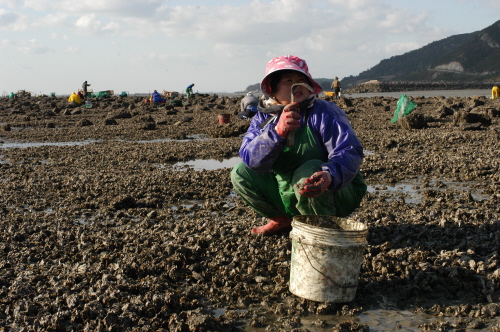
(413, 120)
(84, 123)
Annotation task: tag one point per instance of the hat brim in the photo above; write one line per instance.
(266, 88)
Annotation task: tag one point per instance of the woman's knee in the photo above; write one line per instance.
(238, 171)
(306, 170)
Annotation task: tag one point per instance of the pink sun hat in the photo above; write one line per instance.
(287, 62)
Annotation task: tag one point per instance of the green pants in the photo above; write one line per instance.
(261, 192)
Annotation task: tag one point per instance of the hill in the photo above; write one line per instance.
(468, 57)
(459, 58)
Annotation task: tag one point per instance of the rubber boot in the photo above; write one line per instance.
(275, 225)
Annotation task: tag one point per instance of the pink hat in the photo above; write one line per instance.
(287, 62)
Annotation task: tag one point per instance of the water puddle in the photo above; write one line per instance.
(378, 320)
(208, 164)
(15, 144)
(201, 164)
(186, 204)
(18, 128)
(196, 137)
(412, 190)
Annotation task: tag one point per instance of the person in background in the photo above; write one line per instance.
(336, 87)
(300, 155)
(189, 90)
(84, 88)
(495, 92)
(157, 98)
(248, 106)
(74, 99)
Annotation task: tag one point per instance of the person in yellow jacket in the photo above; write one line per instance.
(495, 92)
(75, 98)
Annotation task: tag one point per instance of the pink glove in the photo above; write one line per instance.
(316, 184)
(289, 119)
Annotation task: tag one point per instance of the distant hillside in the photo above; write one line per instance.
(468, 57)
(460, 58)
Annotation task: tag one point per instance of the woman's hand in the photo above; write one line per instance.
(316, 184)
(289, 119)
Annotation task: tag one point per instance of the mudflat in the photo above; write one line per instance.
(102, 230)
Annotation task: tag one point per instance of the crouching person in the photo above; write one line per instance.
(300, 154)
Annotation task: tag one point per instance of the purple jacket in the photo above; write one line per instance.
(332, 131)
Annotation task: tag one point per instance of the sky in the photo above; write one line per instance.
(221, 46)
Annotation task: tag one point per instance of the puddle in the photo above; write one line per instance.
(405, 189)
(196, 137)
(16, 144)
(201, 164)
(18, 128)
(208, 164)
(9, 145)
(378, 320)
(186, 204)
(412, 190)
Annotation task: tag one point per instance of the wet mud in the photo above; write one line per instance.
(101, 231)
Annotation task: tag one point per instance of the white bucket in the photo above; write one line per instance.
(326, 261)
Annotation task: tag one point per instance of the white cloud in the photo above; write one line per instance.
(90, 24)
(32, 46)
(193, 39)
(8, 43)
(20, 65)
(11, 3)
(112, 7)
(7, 18)
(400, 48)
(52, 20)
(72, 50)
(150, 60)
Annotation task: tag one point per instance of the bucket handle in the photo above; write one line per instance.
(333, 281)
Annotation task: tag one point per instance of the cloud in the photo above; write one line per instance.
(20, 65)
(196, 38)
(72, 50)
(8, 43)
(400, 48)
(150, 60)
(7, 18)
(90, 24)
(52, 20)
(11, 3)
(32, 47)
(116, 8)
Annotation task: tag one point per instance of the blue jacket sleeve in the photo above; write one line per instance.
(334, 132)
(261, 146)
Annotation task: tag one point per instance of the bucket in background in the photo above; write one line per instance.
(224, 118)
(326, 260)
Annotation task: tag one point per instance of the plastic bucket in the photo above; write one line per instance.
(224, 118)
(326, 260)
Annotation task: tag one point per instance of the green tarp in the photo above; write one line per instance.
(404, 107)
(102, 94)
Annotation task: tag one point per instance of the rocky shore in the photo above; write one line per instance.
(102, 230)
(396, 86)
